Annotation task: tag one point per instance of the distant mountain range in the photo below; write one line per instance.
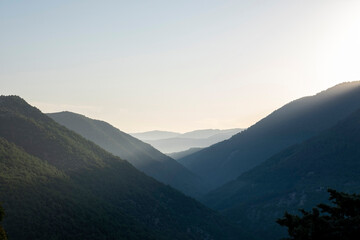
(155, 135)
(172, 142)
(291, 124)
(55, 184)
(143, 156)
(297, 177)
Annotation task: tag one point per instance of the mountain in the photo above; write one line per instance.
(42, 203)
(143, 156)
(54, 184)
(207, 133)
(297, 177)
(178, 155)
(194, 139)
(154, 135)
(291, 124)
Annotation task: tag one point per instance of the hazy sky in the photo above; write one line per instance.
(176, 65)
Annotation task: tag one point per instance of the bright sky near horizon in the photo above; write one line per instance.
(176, 65)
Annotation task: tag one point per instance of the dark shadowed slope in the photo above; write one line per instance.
(42, 202)
(293, 123)
(297, 177)
(54, 184)
(143, 156)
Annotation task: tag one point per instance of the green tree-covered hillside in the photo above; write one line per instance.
(54, 184)
(297, 177)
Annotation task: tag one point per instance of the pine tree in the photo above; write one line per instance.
(341, 221)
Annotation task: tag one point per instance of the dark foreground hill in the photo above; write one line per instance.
(297, 177)
(54, 184)
(143, 156)
(291, 124)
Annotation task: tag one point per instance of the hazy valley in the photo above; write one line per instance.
(172, 142)
(284, 162)
(180, 120)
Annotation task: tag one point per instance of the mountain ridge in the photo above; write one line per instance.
(296, 177)
(290, 124)
(194, 139)
(178, 155)
(142, 155)
(70, 188)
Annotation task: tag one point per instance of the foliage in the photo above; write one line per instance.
(341, 221)
(296, 177)
(55, 184)
(141, 155)
(2, 231)
(291, 124)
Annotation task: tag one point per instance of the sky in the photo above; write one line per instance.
(176, 65)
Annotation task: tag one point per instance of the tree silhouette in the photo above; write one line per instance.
(341, 221)
(2, 231)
